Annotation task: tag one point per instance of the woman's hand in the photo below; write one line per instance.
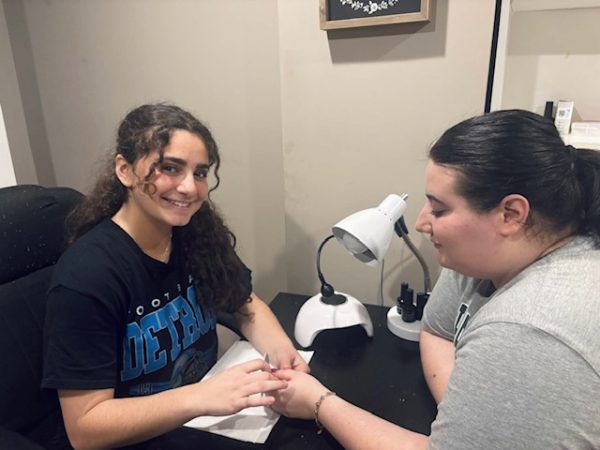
(299, 397)
(237, 387)
(287, 357)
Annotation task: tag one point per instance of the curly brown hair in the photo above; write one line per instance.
(206, 241)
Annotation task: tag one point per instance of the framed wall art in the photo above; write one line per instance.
(336, 14)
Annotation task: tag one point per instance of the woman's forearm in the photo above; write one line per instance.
(357, 429)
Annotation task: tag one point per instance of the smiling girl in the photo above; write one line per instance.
(131, 313)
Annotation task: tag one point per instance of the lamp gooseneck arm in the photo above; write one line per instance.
(400, 229)
(327, 290)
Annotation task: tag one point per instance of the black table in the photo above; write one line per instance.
(381, 374)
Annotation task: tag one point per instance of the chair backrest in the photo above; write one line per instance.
(31, 240)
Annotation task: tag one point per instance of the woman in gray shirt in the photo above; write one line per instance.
(509, 341)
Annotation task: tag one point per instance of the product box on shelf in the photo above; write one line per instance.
(588, 128)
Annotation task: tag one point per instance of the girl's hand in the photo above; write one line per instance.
(287, 357)
(299, 397)
(239, 387)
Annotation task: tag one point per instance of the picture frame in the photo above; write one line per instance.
(335, 14)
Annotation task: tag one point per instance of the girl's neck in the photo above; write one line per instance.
(153, 238)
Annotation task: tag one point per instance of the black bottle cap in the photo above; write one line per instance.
(409, 313)
(548, 110)
(422, 298)
(403, 288)
(408, 297)
(407, 307)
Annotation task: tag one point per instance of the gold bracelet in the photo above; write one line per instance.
(317, 406)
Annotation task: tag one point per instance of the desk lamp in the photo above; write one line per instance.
(367, 235)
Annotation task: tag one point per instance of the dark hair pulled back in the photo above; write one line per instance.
(207, 242)
(519, 152)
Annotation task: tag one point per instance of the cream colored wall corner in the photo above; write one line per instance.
(360, 109)
(12, 107)
(7, 171)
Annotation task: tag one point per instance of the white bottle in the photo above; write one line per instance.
(562, 121)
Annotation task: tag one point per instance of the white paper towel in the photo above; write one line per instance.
(251, 424)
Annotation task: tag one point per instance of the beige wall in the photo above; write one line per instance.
(312, 125)
(360, 109)
(559, 61)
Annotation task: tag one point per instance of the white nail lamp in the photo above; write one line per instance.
(367, 235)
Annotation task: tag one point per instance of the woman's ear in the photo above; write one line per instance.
(124, 171)
(514, 209)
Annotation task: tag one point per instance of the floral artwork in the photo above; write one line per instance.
(362, 13)
(369, 7)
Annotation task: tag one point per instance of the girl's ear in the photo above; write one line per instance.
(124, 171)
(514, 210)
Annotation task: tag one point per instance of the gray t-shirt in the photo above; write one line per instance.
(527, 367)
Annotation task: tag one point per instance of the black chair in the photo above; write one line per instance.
(31, 240)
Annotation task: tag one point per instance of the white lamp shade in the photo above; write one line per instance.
(367, 234)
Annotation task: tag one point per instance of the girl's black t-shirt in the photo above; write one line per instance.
(117, 318)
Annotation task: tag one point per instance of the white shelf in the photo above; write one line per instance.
(541, 5)
(591, 142)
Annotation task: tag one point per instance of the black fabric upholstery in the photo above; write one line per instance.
(31, 240)
(21, 323)
(14, 441)
(32, 227)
